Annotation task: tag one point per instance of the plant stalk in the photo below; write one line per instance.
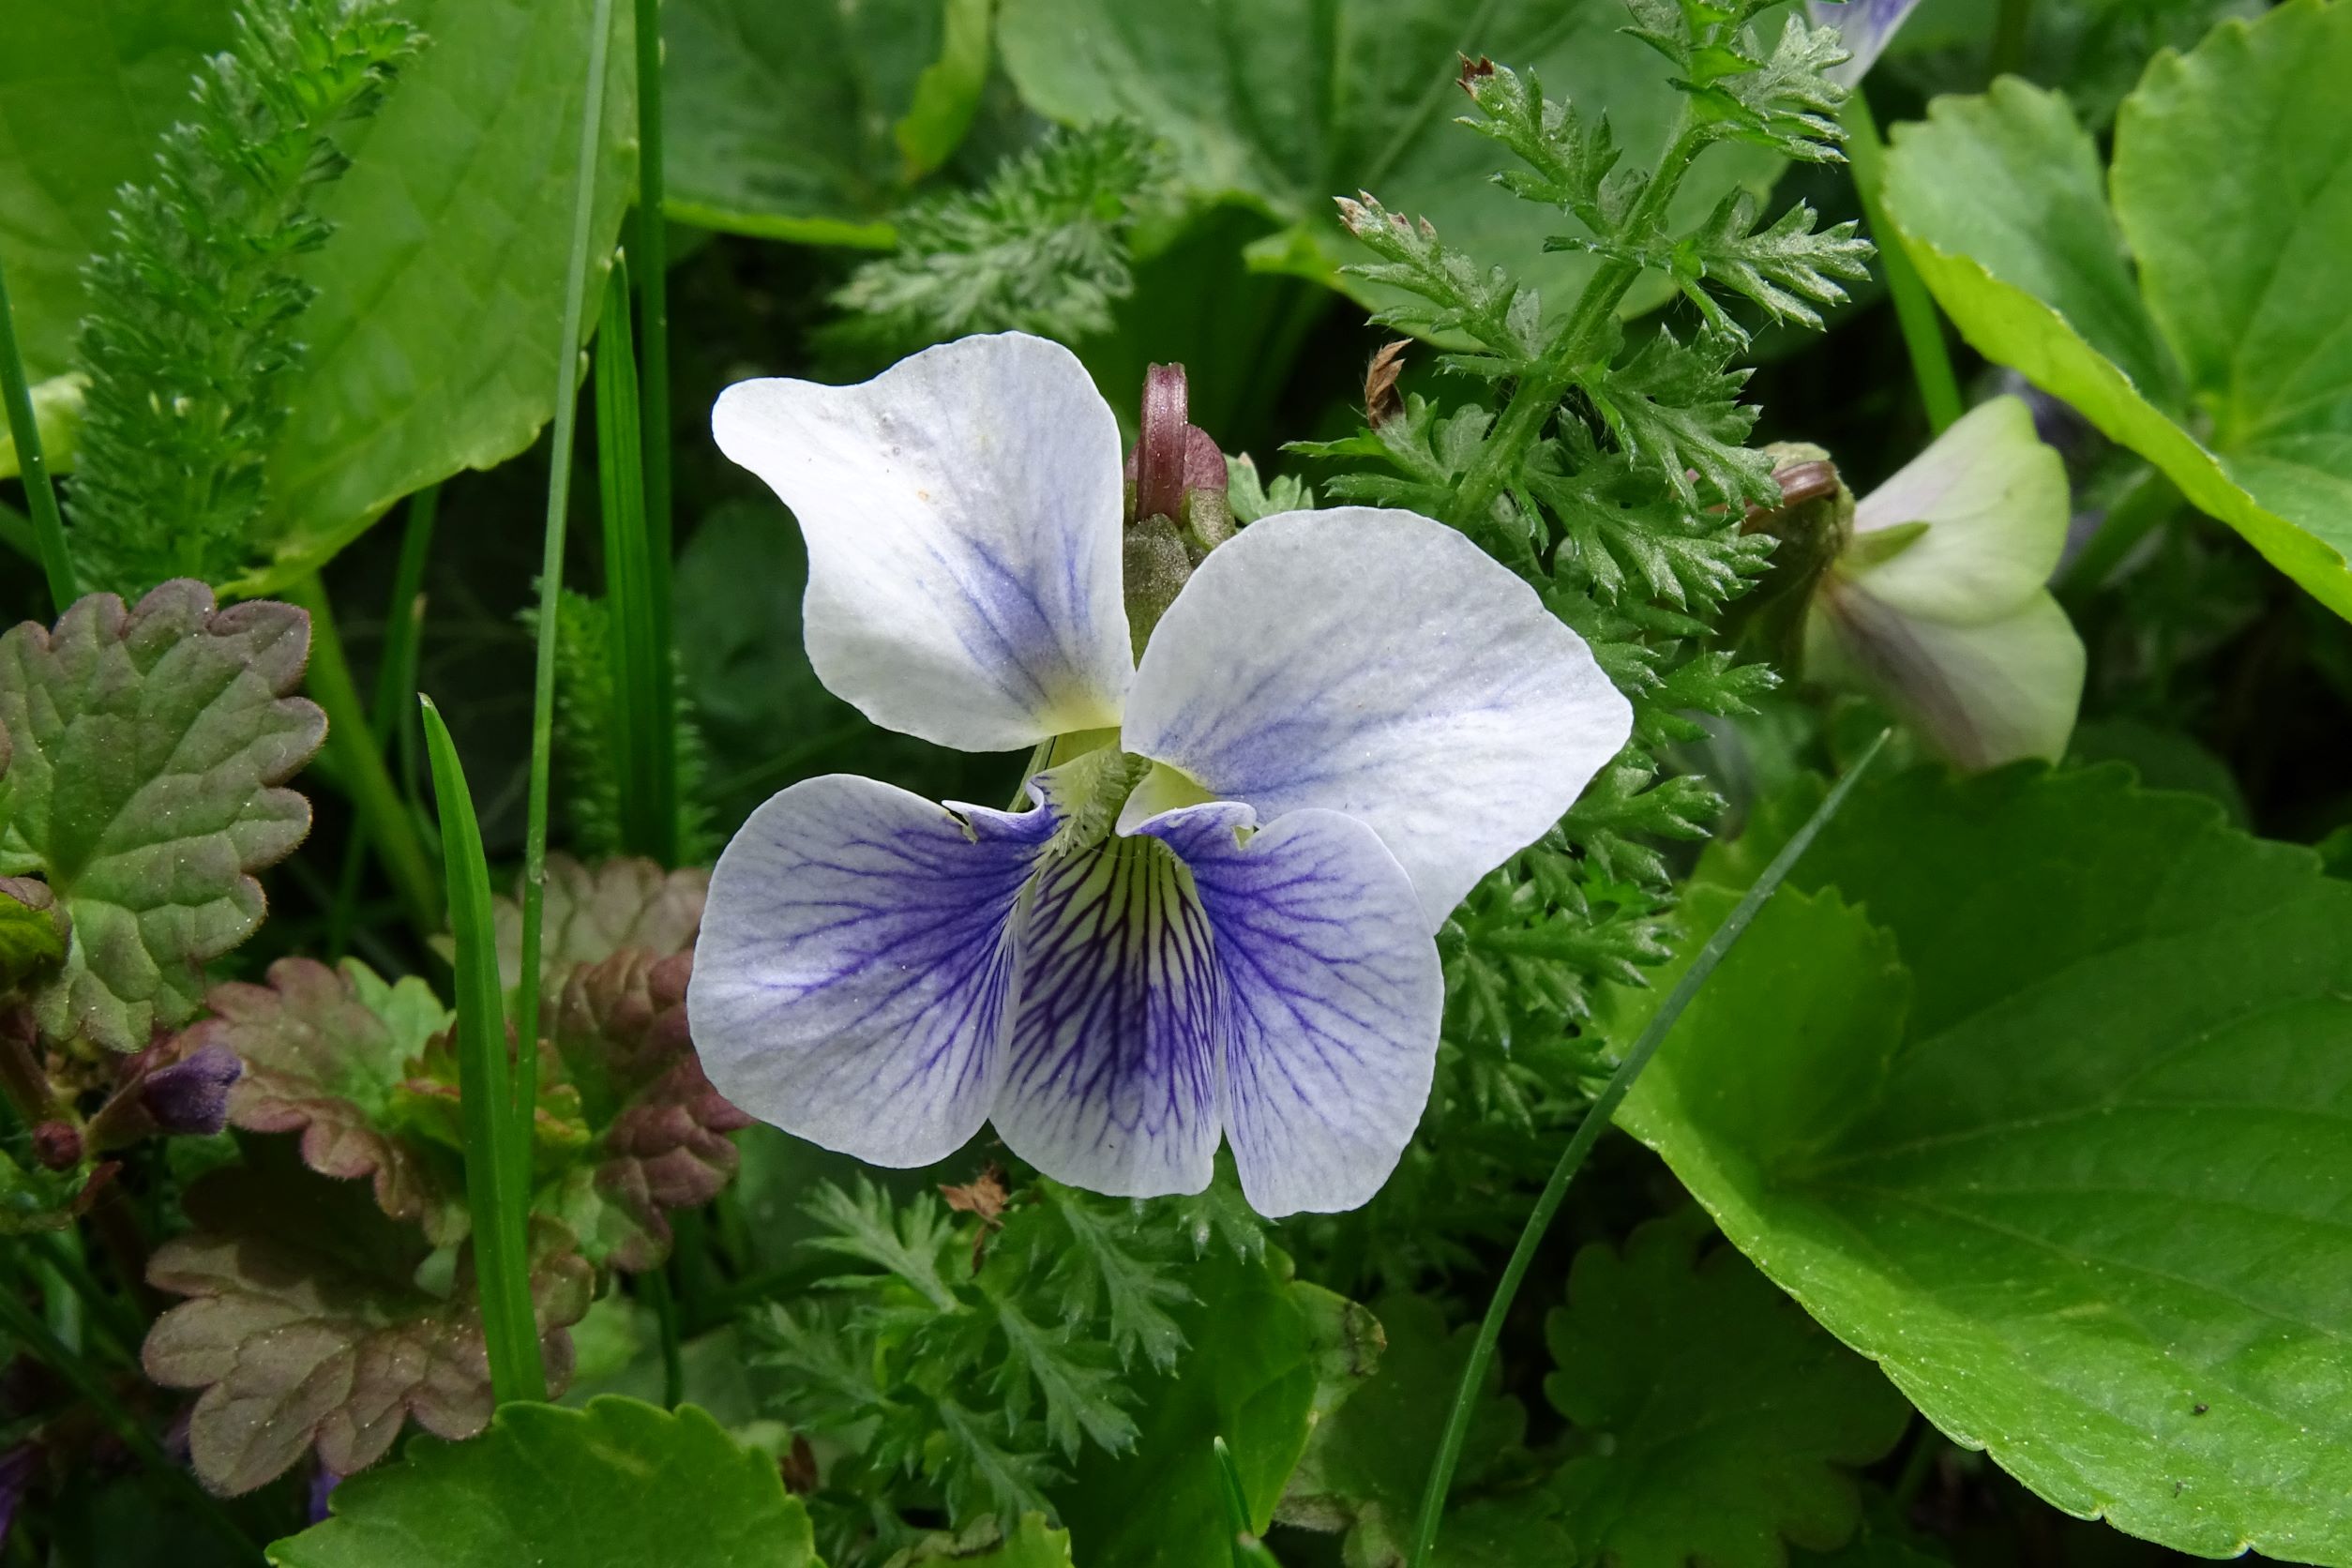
(40, 495)
(1914, 308)
(1588, 1133)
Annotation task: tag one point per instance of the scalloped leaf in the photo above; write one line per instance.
(149, 748)
(592, 912)
(326, 1052)
(619, 1484)
(308, 1326)
(661, 1143)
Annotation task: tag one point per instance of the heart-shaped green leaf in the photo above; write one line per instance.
(2226, 362)
(619, 1484)
(149, 748)
(2085, 1203)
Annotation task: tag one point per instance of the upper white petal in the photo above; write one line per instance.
(1994, 496)
(1380, 664)
(963, 515)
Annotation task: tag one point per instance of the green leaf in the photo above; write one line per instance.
(1287, 105)
(2083, 1204)
(149, 746)
(33, 930)
(326, 1052)
(314, 1320)
(2232, 184)
(618, 1485)
(86, 92)
(1268, 1354)
(1725, 1420)
(1675, 408)
(1034, 1544)
(805, 120)
(433, 338)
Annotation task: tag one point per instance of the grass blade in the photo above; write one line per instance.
(1588, 1133)
(644, 684)
(49, 529)
(559, 493)
(653, 292)
(489, 1088)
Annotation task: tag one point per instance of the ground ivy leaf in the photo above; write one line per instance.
(433, 338)
(2232, 183)
(85, 91)
(593, 912)
(1268, 1354)
(326, 1052)
(619, 1484)
(148, 747)
(307, 1325)
(1727, 1419)
(1284, 106)
(2085, 1204)
(660, 1129)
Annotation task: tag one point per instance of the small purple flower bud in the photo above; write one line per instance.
(323, 1485)
(57, 1145)
(193, 1095)
(1177, 510)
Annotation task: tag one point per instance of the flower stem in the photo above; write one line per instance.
(1914, 311)
(1588, 1133)
(2137, 513)
(49, 529)
(384, 815)
(558, 490)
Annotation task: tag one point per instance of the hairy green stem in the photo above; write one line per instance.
(1914, 310)
(1582, 336)
(1588, 1133)
(393, 711)
(559, 493)
(384, 816)
(497, 1151)
(49, 529)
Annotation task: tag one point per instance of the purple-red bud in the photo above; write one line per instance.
(57, 1145)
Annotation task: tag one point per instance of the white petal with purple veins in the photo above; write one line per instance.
(1333, 993)
(1863, 26)
(962, 513)
(855, 970)
(1110, 1074)
(1379, 664)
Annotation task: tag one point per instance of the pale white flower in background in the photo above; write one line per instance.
(1216, 921)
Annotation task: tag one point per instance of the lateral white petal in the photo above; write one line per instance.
(1995, 498)
(856, 966)
(1377, 663)
(963, 515)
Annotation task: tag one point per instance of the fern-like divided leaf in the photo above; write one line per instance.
(195, 304)
(1042, 247)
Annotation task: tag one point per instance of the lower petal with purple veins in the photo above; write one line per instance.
(1111, 1080)
(1331, 993)
(855, 970)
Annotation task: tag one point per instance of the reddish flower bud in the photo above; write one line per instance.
(57, 1145)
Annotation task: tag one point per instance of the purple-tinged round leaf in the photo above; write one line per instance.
(593, 911)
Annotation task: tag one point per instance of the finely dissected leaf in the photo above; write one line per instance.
(326, 1052)
(905, 1243)
(789, 120)
(1268, 1355)
(1364, 1467)
(1462, 298)
(2084, 1206)
(1726, 1420)
(85, 93)
(1285, 104)
(307, 1325)
(1787, 269)
(593, 912)
(1675, 408)
(1089, 1259)
(1041, 249)
(621, 1045)
(618, 1485)
(150, 744)
(2230, 183)
(465, 174)
(1081, 1393)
